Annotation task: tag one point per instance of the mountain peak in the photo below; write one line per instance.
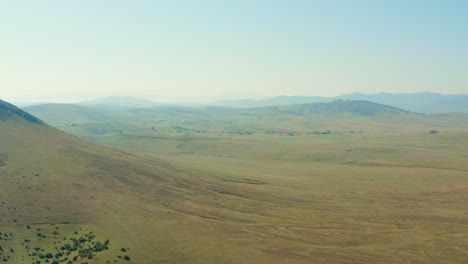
(11, 112)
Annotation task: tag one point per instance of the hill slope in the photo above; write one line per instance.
(9, 112)
(60, 114)
(338, 106)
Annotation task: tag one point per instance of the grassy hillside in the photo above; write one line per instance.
(338, 106)
(392, 193)
(69, 114)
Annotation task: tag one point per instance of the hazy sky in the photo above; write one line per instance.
(73, 50)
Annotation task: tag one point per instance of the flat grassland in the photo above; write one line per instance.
(359, 198)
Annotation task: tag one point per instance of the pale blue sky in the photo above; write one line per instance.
(55, 50)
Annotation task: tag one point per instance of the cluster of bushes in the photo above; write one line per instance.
(74, 249)
(3, 256)
(327, 132)
(280, 132)
(5, 252)
(242, 133)
(6, 236)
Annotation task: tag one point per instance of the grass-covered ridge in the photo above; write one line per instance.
(11, 112)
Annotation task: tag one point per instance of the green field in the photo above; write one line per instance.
(236, 186)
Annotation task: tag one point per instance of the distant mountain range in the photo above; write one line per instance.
(416, 102)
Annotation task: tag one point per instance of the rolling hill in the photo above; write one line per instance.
(68, 114)
(337, 106)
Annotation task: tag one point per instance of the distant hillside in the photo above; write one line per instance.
(416, 102)
(119, 102)
(60, 114)
(338, 106)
